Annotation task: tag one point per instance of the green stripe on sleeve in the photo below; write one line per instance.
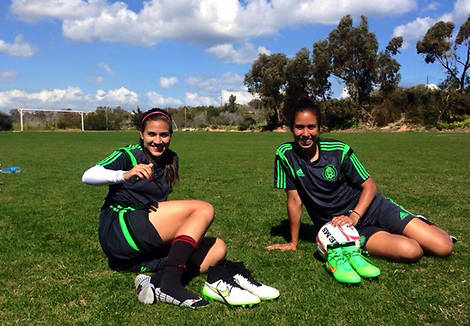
(359, 167)
(345, 151)
(281, 176)
(110, 159)
(331, 144)
(131, 156)
(280, 153)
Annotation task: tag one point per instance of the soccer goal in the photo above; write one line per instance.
(50, 115)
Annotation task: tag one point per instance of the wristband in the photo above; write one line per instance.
(355, 212)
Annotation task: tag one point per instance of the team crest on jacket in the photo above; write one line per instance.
(329, 173)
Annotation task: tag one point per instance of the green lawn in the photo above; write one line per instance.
(52, 270)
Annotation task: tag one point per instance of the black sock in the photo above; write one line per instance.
(182, 248)
(194, 263)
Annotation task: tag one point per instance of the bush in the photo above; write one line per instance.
(105, 118)
(457, 106)
(340, 114)
(247, 123)
(424, 106)
(388, 107)
(5, 122)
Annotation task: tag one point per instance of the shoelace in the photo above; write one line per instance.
(247, 274)
(359, 254)
(337, 256)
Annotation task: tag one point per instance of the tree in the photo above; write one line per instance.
(321, 70)
(136, 117)
(388, 76)
(106, 118)
(353, 51)
(437, 45)
(232, 104)
(267, 78)
(298, 78)
(5, 121)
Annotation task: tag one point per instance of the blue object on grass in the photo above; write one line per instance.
(10, 169)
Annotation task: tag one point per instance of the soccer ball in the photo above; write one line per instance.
(329, 234)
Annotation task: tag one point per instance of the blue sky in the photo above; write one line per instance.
(81, 54)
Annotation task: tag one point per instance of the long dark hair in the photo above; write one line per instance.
(170, 158)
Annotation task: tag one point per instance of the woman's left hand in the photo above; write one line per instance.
(343, 220)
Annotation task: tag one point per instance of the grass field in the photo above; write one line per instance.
(52, 270)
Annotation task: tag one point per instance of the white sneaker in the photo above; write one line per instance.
(145, 289)
(242, 276)
(221, 287)
(229, 294)
(262, 291)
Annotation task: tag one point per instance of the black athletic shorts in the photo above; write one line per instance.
(383, 215)
(130, 240)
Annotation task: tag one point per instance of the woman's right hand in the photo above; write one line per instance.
(140, 171)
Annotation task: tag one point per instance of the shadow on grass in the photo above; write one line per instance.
(307, 231)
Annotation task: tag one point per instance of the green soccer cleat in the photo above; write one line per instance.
(339, 266)
(359, 263)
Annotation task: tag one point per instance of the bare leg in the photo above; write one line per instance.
(215, 254)
(394, 246)
(434, 240)
(418, 238)
(178, 217)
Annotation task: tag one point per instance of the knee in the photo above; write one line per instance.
(220, 248)
(443, 248)
(206, 210)
(410, 250)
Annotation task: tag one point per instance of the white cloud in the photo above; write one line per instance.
(194, 99)
(167, 82)
(213, 85)
(415, 30)
(17, 98)
(7, 75)
(117, 96)
(34, 10)
(105, 67)
(432, 87)
(157, 100)
(99, 79)
(216, 91)
(227, 53)
(207, 22)
(243, 96)
(432, 6)
(345, 93)
(461, 11)
(18, 48)
(70, 97)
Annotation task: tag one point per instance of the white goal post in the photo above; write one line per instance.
(21, 110)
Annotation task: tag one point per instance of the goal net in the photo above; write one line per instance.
(39, 119)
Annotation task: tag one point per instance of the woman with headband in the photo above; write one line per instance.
(140, 231)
